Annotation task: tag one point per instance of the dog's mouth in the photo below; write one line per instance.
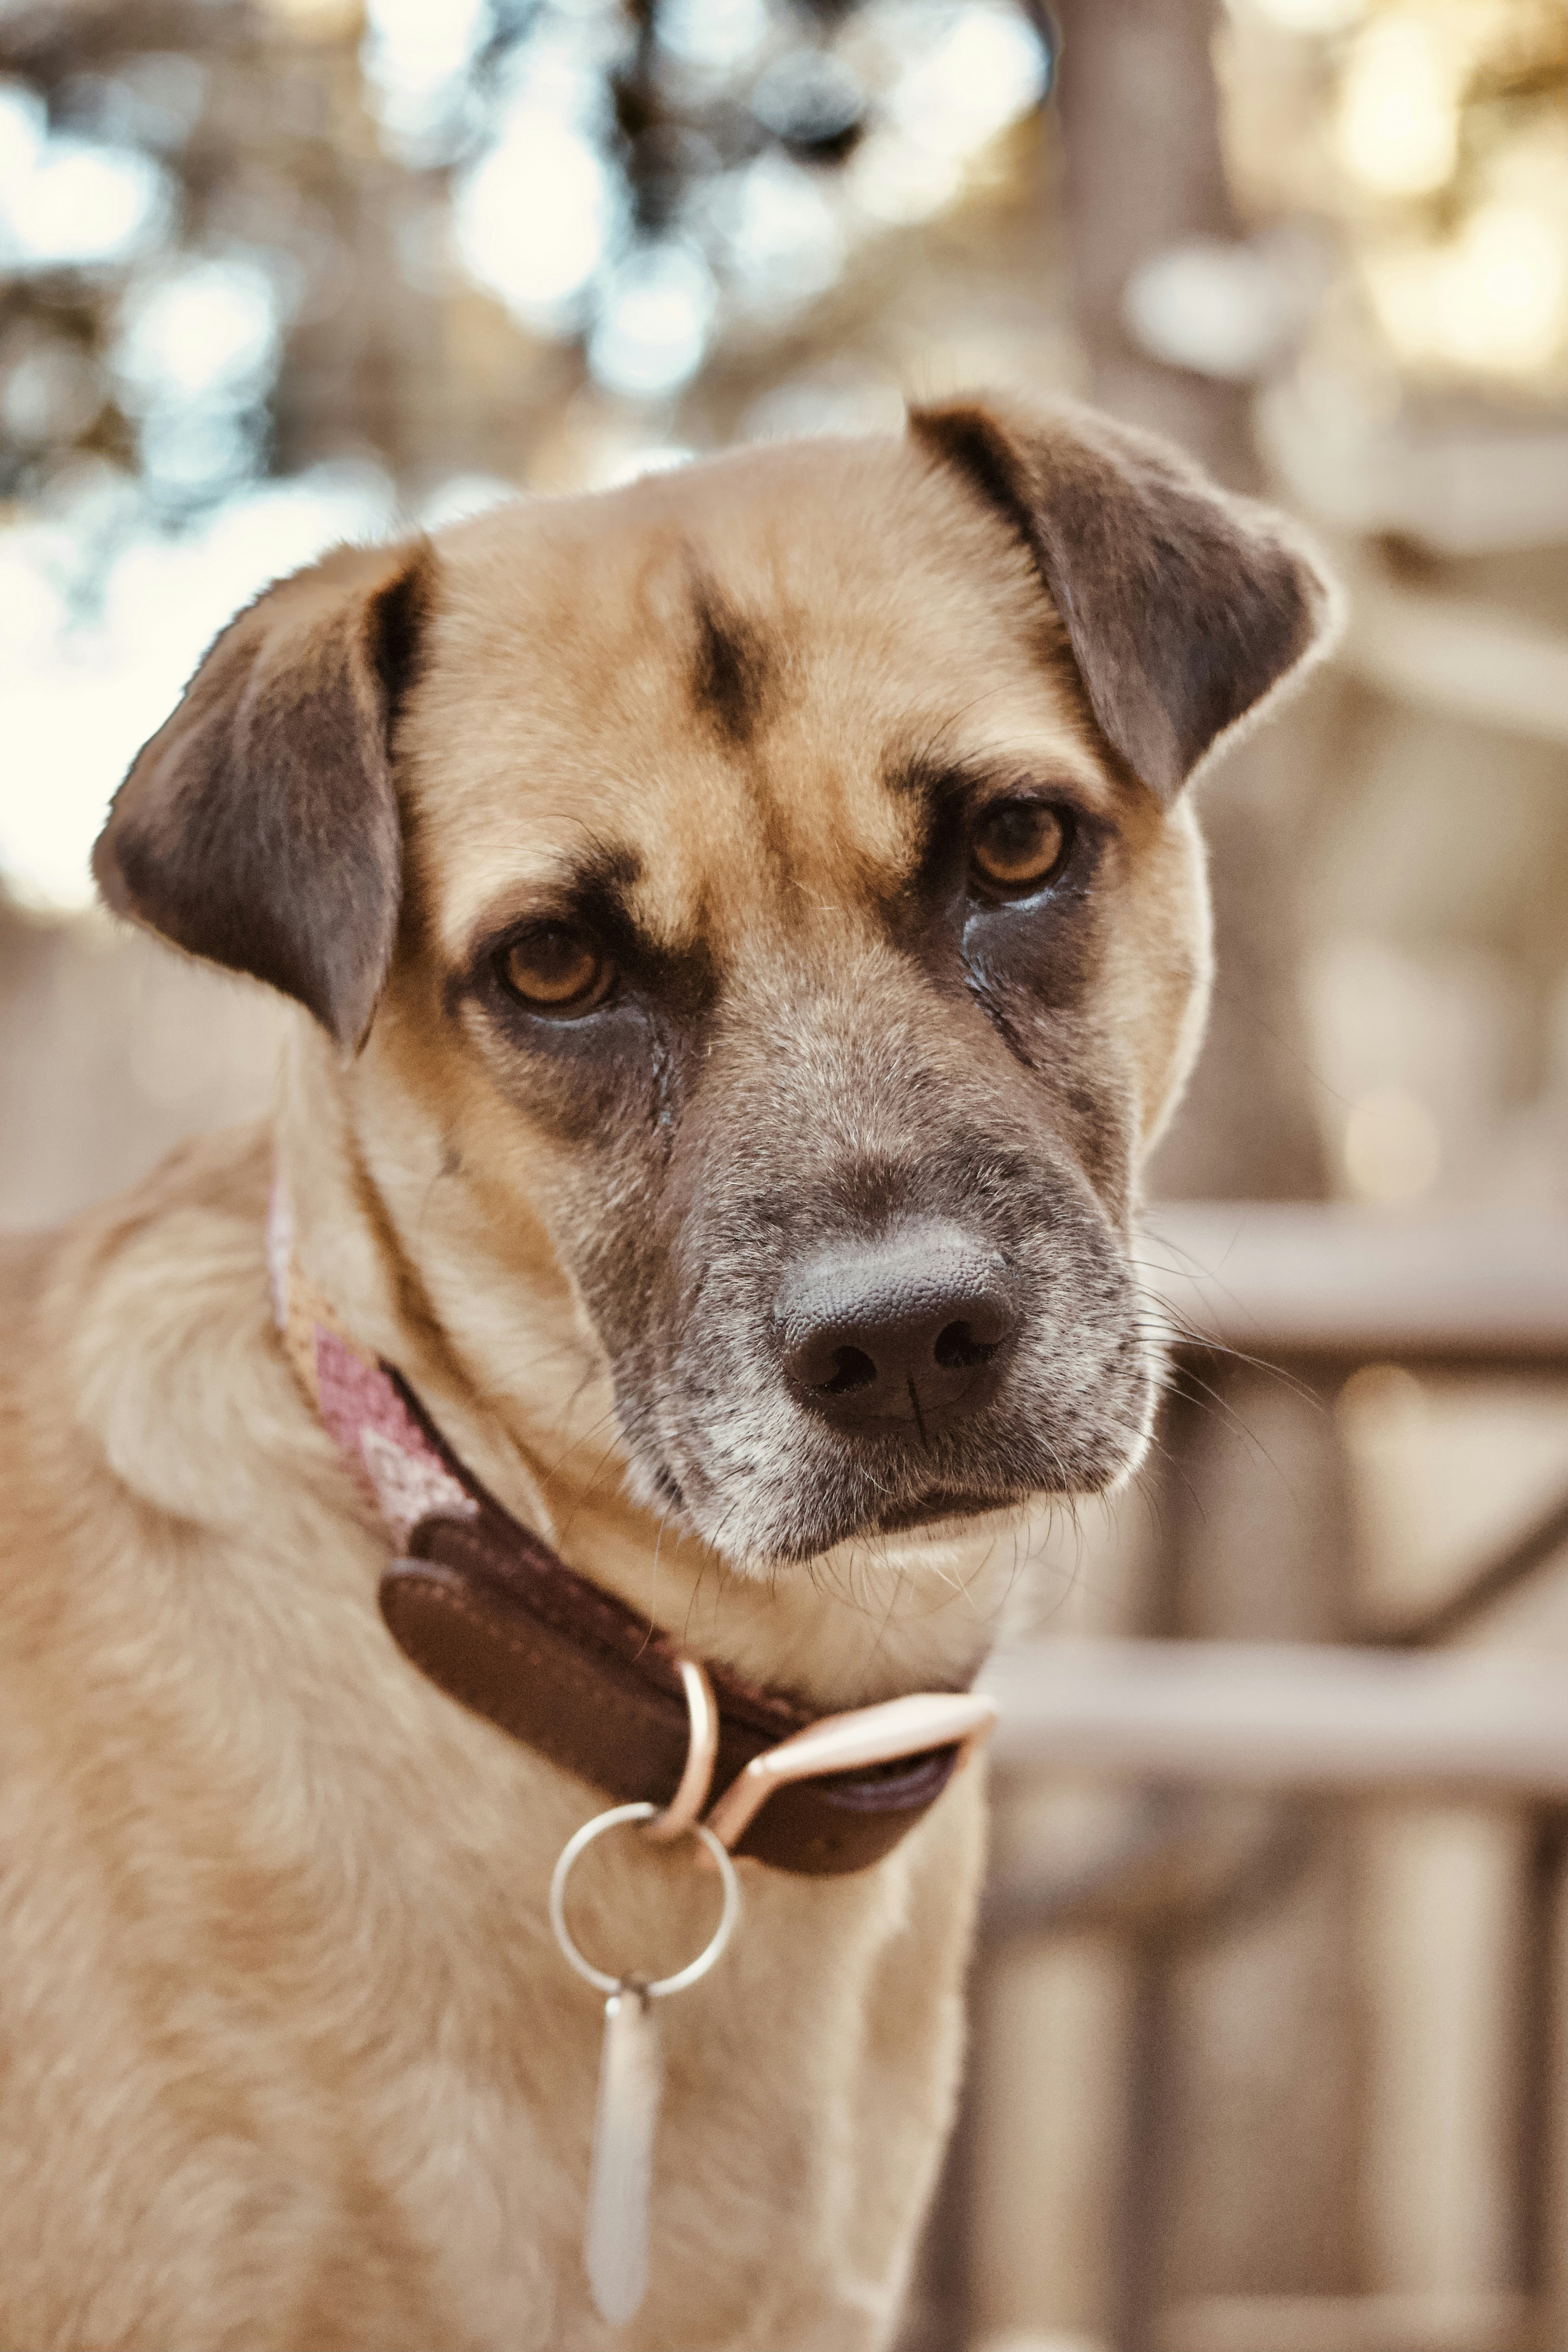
(940, 1506)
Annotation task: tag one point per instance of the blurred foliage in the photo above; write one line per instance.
(234, 236)
(138, 316)
(1431, 138)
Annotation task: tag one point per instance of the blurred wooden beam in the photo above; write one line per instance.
(1454, 653)
(1302, 1279)
(1353, 2323)
(1285, 1714)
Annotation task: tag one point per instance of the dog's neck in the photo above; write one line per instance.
(508, 1365)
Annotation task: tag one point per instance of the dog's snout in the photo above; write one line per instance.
(907, 1330)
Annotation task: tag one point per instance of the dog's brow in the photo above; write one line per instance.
(735, 667)
(597, 889)
(925, 780)
(593, 887)
(933, 783)
(934, 788)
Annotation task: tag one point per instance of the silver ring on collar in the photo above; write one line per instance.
(713, 1950)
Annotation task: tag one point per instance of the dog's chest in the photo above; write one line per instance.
(806, 2084)
(434, 2026)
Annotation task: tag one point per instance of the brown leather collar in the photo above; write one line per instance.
(499, 1623)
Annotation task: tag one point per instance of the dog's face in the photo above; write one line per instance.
(771, 875)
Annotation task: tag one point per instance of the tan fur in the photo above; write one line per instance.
(288, 2060)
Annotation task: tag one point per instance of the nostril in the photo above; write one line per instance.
(957, 1347)
(852, 1368)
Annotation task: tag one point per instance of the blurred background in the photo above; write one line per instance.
(1256, 2069)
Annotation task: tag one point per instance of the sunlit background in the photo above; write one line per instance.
(279, 275)
(274, 273)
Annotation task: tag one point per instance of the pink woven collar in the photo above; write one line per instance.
(396, 1465)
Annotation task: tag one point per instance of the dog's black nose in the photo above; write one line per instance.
(908, 1330)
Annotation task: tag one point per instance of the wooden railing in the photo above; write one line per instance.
(1306, 1289)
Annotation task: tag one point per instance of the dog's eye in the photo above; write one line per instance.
(554, 969)
(1020, 845)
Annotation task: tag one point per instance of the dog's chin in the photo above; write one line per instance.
(945, 1545)
(944, 1512)
(943, 1539)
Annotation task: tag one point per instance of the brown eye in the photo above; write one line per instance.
(1019, 844)
(555, 969)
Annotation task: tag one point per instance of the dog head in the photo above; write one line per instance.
(773, 880)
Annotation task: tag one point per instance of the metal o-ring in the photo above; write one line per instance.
(711, 1951)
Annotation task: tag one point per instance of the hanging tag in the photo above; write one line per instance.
(631, 2078)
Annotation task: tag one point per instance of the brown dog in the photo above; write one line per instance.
(752, 935)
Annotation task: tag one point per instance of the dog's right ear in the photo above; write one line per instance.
(258, 827)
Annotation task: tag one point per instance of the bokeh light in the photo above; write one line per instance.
(67, 202)
(1398, 117)
(536, 217)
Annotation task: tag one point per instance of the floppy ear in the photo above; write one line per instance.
(1185, 607)
(258, 827)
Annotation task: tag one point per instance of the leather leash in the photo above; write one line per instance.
(499, 1621)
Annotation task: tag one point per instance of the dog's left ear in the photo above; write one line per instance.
(258, 827)
(1185, 608)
